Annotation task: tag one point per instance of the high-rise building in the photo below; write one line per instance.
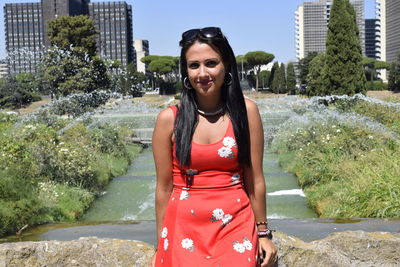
(312, 18)
(388, 12)
(26, 27)
(371, 46)
(3, 68)
(23, 35)
(114, 22)
(142, 50)
(56, 8)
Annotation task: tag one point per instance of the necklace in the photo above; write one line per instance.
(204, 113)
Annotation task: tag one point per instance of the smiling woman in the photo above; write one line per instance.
(210, 193)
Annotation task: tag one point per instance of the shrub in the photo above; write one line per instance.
(376, 86)
(348, 164)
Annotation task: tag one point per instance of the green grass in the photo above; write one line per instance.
(347, 171)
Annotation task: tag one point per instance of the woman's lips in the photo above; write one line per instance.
(205, 83)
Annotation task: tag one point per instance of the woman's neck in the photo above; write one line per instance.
(209, 105)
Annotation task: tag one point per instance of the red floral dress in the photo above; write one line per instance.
(209, 220)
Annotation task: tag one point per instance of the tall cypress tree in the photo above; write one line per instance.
(315, 78)
(274, 69)
(282, 79)
(291, 79)
(344, 73)
(279, 81)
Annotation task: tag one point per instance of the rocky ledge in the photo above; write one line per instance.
(351, 248)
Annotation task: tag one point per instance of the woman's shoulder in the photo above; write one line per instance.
(251, 106)
(167, 115)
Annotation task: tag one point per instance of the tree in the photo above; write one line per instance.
(71, 65)
(256, 59)
(162, 66)
(18, 91)
(371, 65)
(73, 31)
(72, 71)
(344, 73)
(131, 82)
(165, 66)
(263, 78)
(303, 67)
(315, 81)
(274, 68)
(291, 79)
(394, 76)
(279, 81)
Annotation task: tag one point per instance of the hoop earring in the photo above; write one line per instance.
(187, 84)
(228, 82)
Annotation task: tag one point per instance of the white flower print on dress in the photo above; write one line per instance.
(226, 219)
(236, 178)
(242, 247)
(188, 244)
(184, 195)
(247, 244)
(166, 244)
(164, 232)
(239, 247)
(229, 142)
(217, 215)
(225, 152)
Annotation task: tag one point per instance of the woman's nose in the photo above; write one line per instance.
(203, 72)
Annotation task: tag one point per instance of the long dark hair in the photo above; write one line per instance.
(231, 95)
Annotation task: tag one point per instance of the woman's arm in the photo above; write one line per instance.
(254, 178)
(162, 153)
(254, 175)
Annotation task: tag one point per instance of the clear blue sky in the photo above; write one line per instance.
(267, 25)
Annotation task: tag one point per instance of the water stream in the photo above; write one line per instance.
(131, 197)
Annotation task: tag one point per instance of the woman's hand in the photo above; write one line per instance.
(152, 262)
(267, 252)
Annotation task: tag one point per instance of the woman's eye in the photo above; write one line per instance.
(212, 63)
(193, 65)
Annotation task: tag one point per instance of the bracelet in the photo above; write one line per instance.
(262, 223)
(265, 233)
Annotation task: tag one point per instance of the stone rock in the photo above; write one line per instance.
(350, 248)
(87, 251)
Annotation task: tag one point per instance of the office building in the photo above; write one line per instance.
(23, 35)
(3, 68)
(56, 8)
(312, 18)
(26, 27)
(370, 38)
(142, 50)
(388, 13)
(114, 22)
(388, 32)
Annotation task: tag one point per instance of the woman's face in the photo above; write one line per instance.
(205, 69)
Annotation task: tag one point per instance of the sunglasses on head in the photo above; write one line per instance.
(208, 32)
